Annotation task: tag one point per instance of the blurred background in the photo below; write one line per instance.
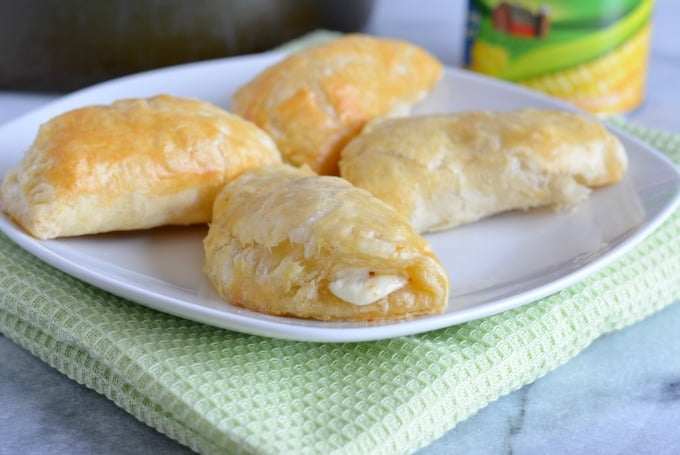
(64, 45)
(52, 47)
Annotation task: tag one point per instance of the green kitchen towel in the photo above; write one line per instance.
(218, 391)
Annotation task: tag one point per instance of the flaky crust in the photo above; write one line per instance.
(137, 163)
(314, 101)
(441, 171)
(281, 235)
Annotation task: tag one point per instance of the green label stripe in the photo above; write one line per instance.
(558, 56)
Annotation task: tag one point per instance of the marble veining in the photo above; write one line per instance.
(670, 391)
(517, 420)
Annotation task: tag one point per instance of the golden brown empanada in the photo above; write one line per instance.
(441, 171)
(137, 163)
(314, 101)
(285, 241)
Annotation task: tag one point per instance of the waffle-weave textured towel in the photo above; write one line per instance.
(222, 392)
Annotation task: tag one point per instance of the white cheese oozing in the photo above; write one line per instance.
(361, 287)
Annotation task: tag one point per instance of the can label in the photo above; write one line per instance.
(591, 53)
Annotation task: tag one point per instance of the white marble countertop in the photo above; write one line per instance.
(621, 395)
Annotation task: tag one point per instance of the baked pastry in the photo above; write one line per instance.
(441, 171)
(314, 101)
(134, 164)
(284, 241)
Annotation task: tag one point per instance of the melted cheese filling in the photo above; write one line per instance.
(363, 287)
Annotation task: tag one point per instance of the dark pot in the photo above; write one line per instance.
(63, 45)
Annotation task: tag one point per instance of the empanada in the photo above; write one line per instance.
(285, 241)
(441, 171)
(314, 101)
(134, 164)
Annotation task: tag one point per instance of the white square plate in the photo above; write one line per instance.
(494, 265)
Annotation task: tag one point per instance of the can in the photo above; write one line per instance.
(592, 54)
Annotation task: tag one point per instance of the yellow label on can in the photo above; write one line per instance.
(590, 53)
